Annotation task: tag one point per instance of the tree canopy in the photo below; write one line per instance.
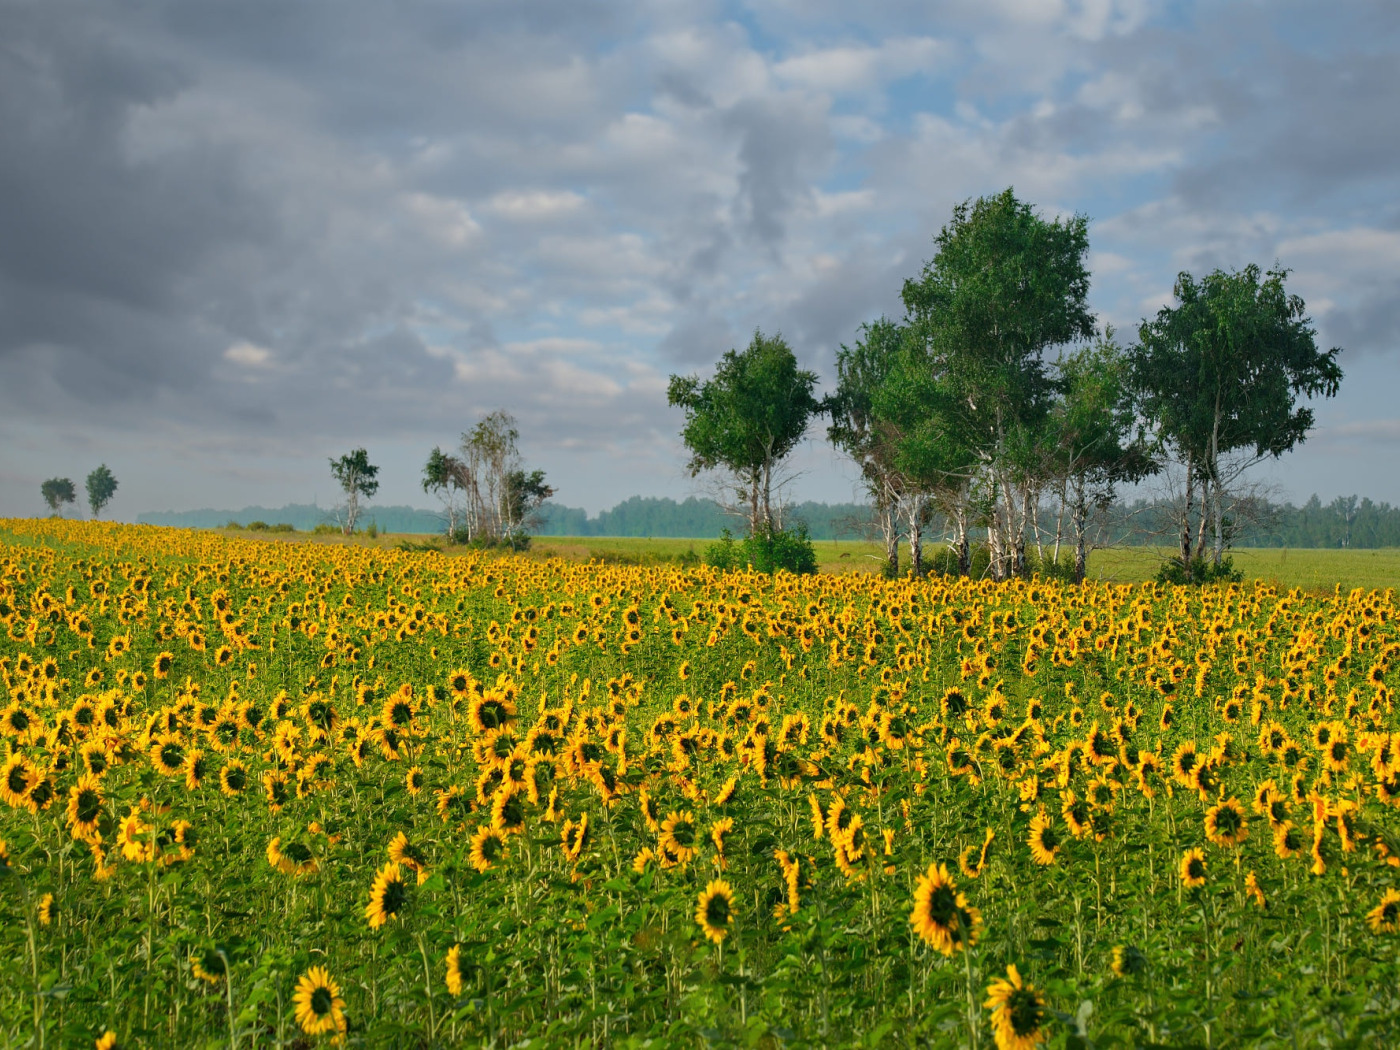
(747, 418)
(57, 491)
(1219, 374)
(358, 478)
(101, 487)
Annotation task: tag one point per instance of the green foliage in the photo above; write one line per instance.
(1200, 571)
(769, 550)
(354, 473)
(57, 491)
(1004, 286)
(372, 529)
(101, 487)
(1224, 367)
(748, 417)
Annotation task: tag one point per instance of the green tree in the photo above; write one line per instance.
(1220, 373)
(925, 422)
(355, 474)
(57, 491)
(1092, 441)
(525, 491)
(856, 429)
(101, 487)
(442, 474)
(748, 418)
(1004, 286)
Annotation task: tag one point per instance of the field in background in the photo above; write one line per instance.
(1310, 569)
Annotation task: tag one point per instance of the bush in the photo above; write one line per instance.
(372, 529)
(767, 550)
(256, 526)
(515, 541)
(325, 528)
(231, 524)
(1199, 572)
(282, 526)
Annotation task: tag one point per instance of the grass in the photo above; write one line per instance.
(1312, 570)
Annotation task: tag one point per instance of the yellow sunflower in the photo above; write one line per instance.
(319, 1008)
(714, 911)
(387, 897)
(941, 915)
(1018, 1012)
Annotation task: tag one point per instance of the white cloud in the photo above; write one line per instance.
(248, 355)
(536, 205)
(841, 70)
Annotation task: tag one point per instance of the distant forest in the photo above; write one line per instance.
(1345, 522)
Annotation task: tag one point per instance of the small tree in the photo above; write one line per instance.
(1220, 374)
(58, 491)
(354, 473)
(748, 418)
(856, 430)
(1090, 441)
(101, 487)
(525, 491)
(442, 474)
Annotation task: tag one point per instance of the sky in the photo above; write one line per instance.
(240, 237)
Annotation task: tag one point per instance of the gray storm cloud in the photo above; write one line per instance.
(236, 238)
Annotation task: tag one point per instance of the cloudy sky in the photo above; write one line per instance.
(240, 236)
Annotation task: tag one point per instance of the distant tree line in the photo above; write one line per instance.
(1350, 521)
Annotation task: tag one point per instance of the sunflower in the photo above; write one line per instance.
(1193, 869)
(233, 778)
(1127, 961)
(488, 847)
(678, 835)
(85, 807)
(319, 1008)
(403, 852)
(714, 911)
(164, 662)
(1043, 839)
(718, 830)
(454, 970)
(1184, 761)
(1225, 823)
(1385, 916)
(387, 897)
(133, 835)
(1253, 889)
(16, 778)
(1018, 1012)
(941, 915)
(106, 1041)
(196, 768)
(48, 911)
(508, 811)
(1288, 840)
(574, 836)
(168, 755)
(209, 965)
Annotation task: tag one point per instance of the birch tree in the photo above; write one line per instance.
(1004, 286)
(747, 419)
(1220, 374)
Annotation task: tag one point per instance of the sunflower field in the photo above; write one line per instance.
(276, 794)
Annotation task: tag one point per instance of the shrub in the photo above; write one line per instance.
(767, 550)
(1199, 571)
(325, 528)
(372, 529)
